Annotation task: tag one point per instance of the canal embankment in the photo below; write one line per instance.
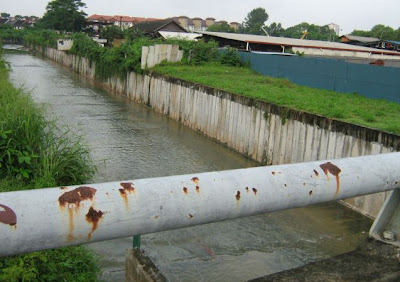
(262, 131)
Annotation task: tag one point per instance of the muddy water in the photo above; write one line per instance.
(130, 141)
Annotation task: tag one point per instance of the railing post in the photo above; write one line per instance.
(136, 242)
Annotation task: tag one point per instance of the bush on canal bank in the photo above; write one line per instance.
(35, 153)
(127, 57)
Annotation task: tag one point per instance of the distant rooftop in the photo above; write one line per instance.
(292, 42)
(121, 18)
(362, 39)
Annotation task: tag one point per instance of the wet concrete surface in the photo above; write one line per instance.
(372, 261)
(130, 141)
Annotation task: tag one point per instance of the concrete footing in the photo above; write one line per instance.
(138, 267)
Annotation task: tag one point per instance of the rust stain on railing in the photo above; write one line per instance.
(8, 216)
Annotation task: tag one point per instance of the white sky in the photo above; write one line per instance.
(348, 14)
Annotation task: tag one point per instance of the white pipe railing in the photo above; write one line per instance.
(50, 218)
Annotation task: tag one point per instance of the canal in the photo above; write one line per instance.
(130, 141)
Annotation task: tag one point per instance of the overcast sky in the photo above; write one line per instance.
(348, 14)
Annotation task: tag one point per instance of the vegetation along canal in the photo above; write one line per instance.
(130, 141)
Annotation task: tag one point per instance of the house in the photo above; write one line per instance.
(123, 22)
(335, 28)
(210, 22)
(19, 23)
(199, 24)
(360, 40)
(96, 22)
(4, 21)
(152, 28)
(234, 25)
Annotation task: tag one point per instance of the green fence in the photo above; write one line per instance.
(332, 74)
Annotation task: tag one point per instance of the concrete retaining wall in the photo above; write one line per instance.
(265, 132)
(154, 55)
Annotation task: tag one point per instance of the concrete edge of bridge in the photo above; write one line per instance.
(139, 267)
(372, 261)
(386, 227)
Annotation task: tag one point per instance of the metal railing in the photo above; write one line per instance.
(49, 218)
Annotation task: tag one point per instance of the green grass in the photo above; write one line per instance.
(35, 153)
(374, 113)
(64, 264)
(34, 150)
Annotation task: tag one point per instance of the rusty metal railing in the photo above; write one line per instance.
(74, 215)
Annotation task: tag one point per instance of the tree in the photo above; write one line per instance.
(110, 33)
(64, 15)
(397, 35)
(383, 32)
(221, 27)
(314, 32)
(5, 15)
(275, 29)
(254, 21)
(379, 31)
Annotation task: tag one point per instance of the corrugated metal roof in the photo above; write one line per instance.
(292, 42)
(179, 35)
(361, 38)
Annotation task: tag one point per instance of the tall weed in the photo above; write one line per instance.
(35, 153)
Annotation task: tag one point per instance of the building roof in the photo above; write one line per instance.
(153, 26)
(117, 18)
(292, 42)
(393, 42)
(123, 18)
(362, 39)
(179, 35)
(3, 21)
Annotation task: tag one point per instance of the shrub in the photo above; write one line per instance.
(202, 52)
(230, 57)
(35, 153)
(64, 264)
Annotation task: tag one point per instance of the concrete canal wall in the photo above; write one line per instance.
(265, 132)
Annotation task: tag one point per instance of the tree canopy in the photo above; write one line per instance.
(110, 33)
(64, 15)
(221, 27)
(380, 31)
(274, 29)
(254, 21)
(314, 32)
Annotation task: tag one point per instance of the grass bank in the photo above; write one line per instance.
(35, 153)
(352, 108)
